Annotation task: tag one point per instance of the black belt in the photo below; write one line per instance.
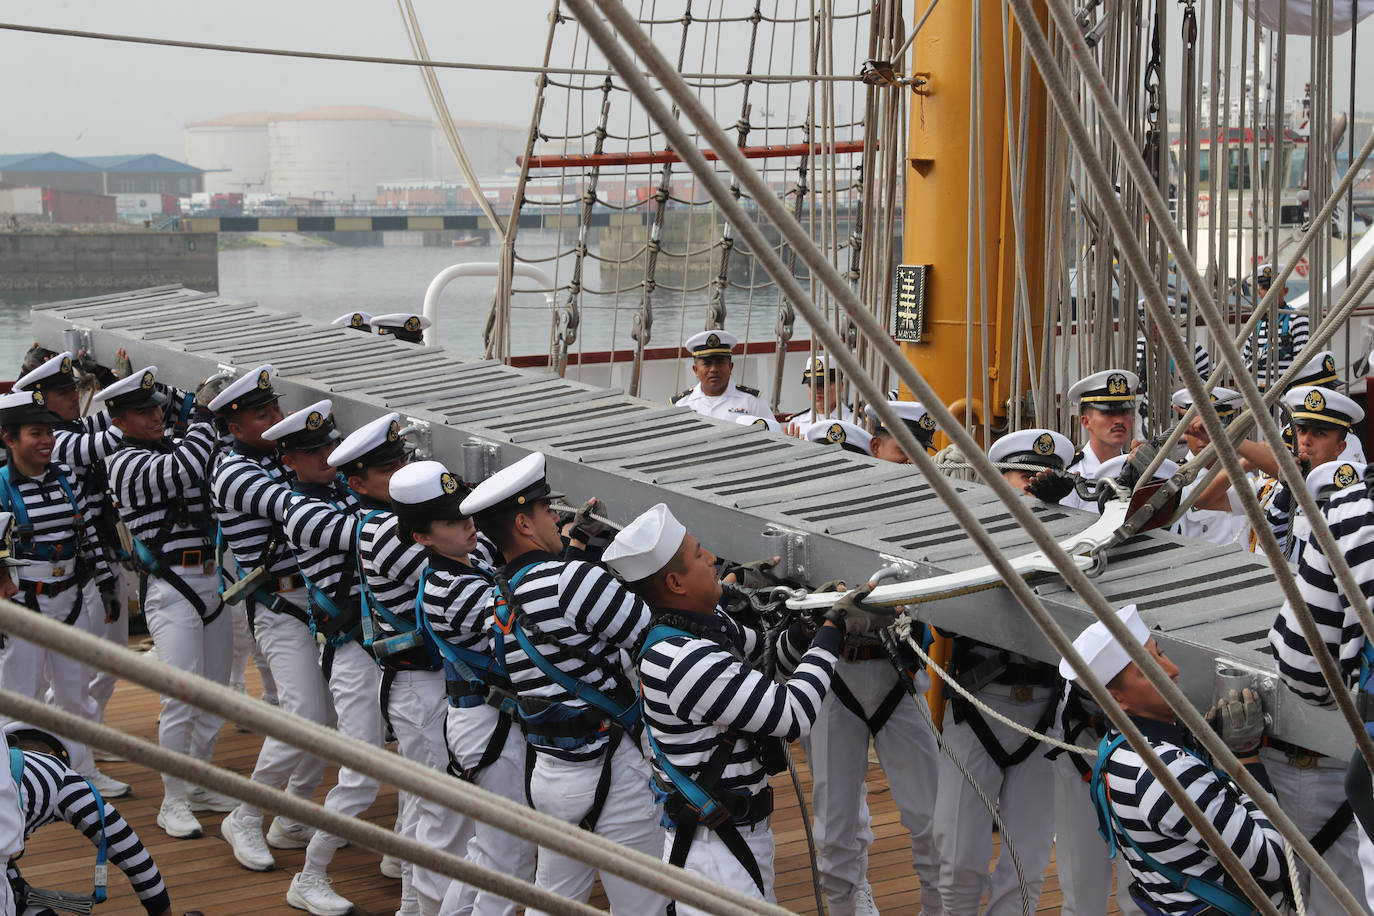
(193, 556)
(1300, 756)
(49, 588)
(745, 810)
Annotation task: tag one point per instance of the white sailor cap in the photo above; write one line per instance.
(7, 557)
(817, 367)
(521, 484)
(1227, 401)
(1110, 389)
(1040, 447)
(1100, 649)
(768, 423)
(1267, 272)
(837, 432)
(54, 373)
(913, 413)
(406, 326)
(359, 321)
(138, 389)
(1112, 468)
(427, 490)
(19, 407)
(1312, 406)
(1319, 371)
(250, 390)
(379, 442)
(1326, 480)
(645, 545)
(714, 342)
(311, 427)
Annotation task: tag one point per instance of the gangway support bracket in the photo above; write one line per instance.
(421, 436)
(1234, 675)
(791, 547)
(77, 341)
(480, 460)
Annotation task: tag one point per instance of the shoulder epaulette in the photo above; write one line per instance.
(680, 395)
(747, 390)
(1077, 457)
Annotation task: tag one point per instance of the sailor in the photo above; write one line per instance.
(413, 700)
(358, 321)
(562, 629)
(161, 489)
(50, 790)
(714, 395)
(715, 723)
(823, 384)
(251, 488)
(847, 436)
(405, 326)
(1106, 404)
(1022, 455)
(1273, 359)
(454, 604)
(67, 574)
(917, 419)
(763, 422)
(1320, 370)
(1202, 360)
(1218, 526)
(1146, 825)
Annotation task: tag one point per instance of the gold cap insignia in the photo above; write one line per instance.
(1329, 363)
(927, 422)
(38, 397)
(760, 422)
(393, 432)
(1345, 476)
(264, 380)
(1314, 401)
(147, 381)
(315, 420)
(357, 320)
(412, 323)
(1043, 445)
(1267, 272)
(835, 434)
(713, 340)
(449, 483)
(66, 367)
(1116, 384)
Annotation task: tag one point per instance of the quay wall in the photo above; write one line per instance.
(107, 261)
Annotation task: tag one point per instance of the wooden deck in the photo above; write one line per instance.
(201, 874)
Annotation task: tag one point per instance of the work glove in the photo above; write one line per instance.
(856, 616)
(1239, 719)
(109, 600)
(1051, 486)
(122, 368)
(210, 388)
(758, 574)
(584, 525)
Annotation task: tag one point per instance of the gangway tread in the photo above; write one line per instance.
(726, 482)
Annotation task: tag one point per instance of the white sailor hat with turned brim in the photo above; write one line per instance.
(20, 407)
(359, 321)
(818, 366)
(913, 414)
(711, 343)
(1042, 448)
(55, 373)
(1112, 468)
(1326, 480)
(427, 490)
(248, 391)
(837, 432)
(138, 389)
(521, 484)
(1110, 389)
(312, 427)
(645, 545)
(1101, 651)
(768, 423)
(1227, 401)
(1319, 371)
(1309, 405)
(379, 442)
(7, 557)
(406, 326)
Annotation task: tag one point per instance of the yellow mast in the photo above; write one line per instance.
(938, 229)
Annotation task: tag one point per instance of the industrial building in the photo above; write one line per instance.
(233, 151)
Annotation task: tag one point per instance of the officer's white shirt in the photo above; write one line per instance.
(804, 422)
(729, 404)
(1088, 466)
(1217, 526)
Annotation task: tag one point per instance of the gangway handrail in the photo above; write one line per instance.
(477, 269)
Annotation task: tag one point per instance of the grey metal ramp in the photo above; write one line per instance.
(726, 484)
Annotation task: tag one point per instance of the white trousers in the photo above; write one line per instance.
(184, 642)
(1309, 796)
(29, 670)
(293, 657)
(354, 679)
(1085, 871)
(963, 825)
(416, 707)
(246, 647)
(117, 632)
(565, 790)
(837, 749)
(469, 730)
(712, 859)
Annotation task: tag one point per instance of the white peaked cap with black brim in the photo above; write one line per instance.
(519, 485)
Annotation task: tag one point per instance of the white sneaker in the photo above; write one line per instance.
(244, 836)
(100, 756)
(864, 904)
(391, 867)
(313, 894)
(284, 834)
(176, 819)
(107, 786)
(203, 799)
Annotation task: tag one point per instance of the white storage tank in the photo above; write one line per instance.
(233, 150)
(340, 154)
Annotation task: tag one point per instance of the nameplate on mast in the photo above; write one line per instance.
(909, 302)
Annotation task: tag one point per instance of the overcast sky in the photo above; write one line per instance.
(84, 97)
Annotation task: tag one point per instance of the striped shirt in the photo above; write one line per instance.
(53, 518)
(580, 605)
(250, 490)
(321, 524)
(1292, 337)
(1154, 821)
(1350, 514)
(1202, 362)
(457, 602)
(85, 440)
(147, 478)
(53, 792)
(392, 567)
(695, 691)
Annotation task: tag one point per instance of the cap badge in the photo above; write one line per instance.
(835, 434)
(393, 432)
(1345, 476)
(264, 380)
(1314, 401)
(1116, 384)
(760, 422)
(1043, 445)
(412, 323)
(38, 397)
(66, 367)
(315, 420)
(927, 422)
(1329, 363)
(147, 381)
(449, 483)
(357, 320)
(713, 340)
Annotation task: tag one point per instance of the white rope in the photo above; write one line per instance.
(1299, 907)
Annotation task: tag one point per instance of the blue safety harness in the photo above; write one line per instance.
(467, 666)
(102, 868)
(1210, 893)
(25, 546)
(408, 634)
